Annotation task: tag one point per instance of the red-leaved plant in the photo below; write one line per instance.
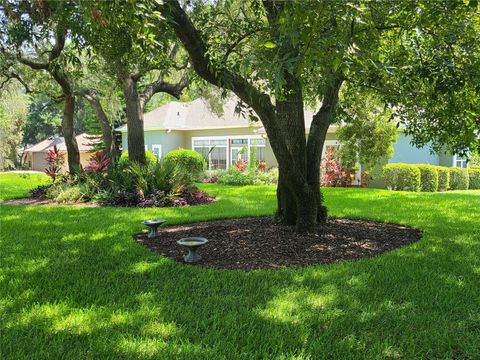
(98, 162)
(332, 172)
(55, 161)
(241, 165)
(262, 166)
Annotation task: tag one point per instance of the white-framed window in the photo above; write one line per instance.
(213, 150)
(146, 147)
(157, 150)
(459, 161)
(221, 152)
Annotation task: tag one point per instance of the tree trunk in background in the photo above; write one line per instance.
(73, 154)
(107, 134)
(134, 110)
(111, 147)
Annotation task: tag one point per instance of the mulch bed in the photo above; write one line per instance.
(255, 243)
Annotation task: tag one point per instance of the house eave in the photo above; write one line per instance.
(124, 130)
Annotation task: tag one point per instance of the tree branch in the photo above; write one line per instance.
(239, 40)
(12, 74)
(59, 45)
(201, 62)
(30, 63)
(162, 86)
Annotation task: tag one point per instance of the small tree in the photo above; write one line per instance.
(366, 132)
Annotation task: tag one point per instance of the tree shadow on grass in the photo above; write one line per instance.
(75, 285)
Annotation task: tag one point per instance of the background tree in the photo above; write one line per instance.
(277, 56)
(141, 54)
(366, 131)
(104, 97)
(34, 35)
(44, 120)
(431, 74)
(13, 115)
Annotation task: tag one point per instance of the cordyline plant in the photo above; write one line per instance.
(98, 162)
(241, 165)
(332, 172)
(55, 161)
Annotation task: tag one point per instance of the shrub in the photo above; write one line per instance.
(262, 166)
(154, 185)
(402, 177)
(124, 162)
(187, 164)
(428, 177)
(266, 178)
(212, 176)
(65, 193)
(458, 178)
(191, 195)
(332, 172)
(236, 177)
(40, 192)
(474, 178)
(443, 178)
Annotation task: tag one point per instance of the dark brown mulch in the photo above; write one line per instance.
(254, 243)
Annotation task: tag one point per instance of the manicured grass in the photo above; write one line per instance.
(74, 285)
(15, 185)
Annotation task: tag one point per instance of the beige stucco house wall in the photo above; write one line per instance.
(35, 157)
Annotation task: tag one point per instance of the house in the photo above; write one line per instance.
(222, 139)
(227, 138)
(35, 157)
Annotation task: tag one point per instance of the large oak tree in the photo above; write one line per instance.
(279, 56)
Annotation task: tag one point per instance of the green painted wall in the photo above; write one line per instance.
(171, 141)
(405, 152)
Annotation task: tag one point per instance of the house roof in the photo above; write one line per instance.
(194, 115)
(85, 143)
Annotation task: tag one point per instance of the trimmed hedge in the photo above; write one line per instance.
(458, 178)
(150, 157)
(428, 177)
(443, 178)
(186, 162)
(402, 177)
(474, 178)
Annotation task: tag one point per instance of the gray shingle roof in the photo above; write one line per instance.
(192, 116)
(196, 115)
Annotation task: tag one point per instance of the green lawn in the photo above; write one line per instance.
(74, 285)
(14, 185)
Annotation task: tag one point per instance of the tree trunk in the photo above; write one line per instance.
(73, 154)
(286, 205)
(111, 147)
(298, 192)
(135, 130)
